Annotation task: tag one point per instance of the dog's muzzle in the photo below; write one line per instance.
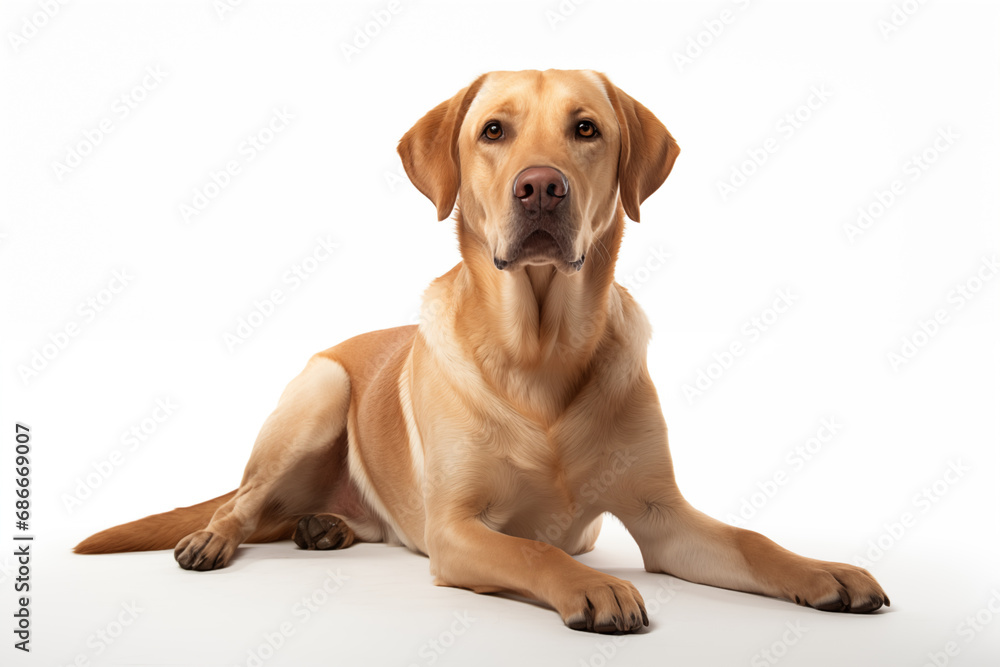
(540, 223)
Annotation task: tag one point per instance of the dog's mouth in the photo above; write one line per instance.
(539, 243)
(540, 246)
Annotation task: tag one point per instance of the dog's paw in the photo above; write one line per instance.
(204, 550)
(837, 587)
(606, 604)
(323, 532)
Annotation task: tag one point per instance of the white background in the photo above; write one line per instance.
(333, 173)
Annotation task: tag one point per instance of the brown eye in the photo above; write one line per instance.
(493, 131)
(586, 129)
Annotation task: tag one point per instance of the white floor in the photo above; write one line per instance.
(374, 605)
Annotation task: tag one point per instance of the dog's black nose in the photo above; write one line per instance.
(540, 188)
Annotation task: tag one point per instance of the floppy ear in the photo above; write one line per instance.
(647, 153)
(429, 150)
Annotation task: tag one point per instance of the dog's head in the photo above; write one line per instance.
(538, 162)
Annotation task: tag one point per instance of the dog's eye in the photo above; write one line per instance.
(586, 129)
(493, 131)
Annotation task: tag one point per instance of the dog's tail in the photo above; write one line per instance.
(159, 531)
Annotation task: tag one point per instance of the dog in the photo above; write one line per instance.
(494, 435)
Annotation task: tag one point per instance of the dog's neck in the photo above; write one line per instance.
(534, 331)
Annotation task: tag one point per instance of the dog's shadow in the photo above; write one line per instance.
(659, 591)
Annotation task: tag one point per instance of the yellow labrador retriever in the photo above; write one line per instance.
(494, 436)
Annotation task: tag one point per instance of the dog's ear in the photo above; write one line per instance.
(429, 150)
(647, 153)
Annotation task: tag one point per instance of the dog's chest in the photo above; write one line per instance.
(553, 479)
(548, 495)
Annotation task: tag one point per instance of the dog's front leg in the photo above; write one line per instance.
(677, 539)
(467, 554)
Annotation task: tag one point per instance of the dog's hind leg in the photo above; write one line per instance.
(323, 532)
(294, 458)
